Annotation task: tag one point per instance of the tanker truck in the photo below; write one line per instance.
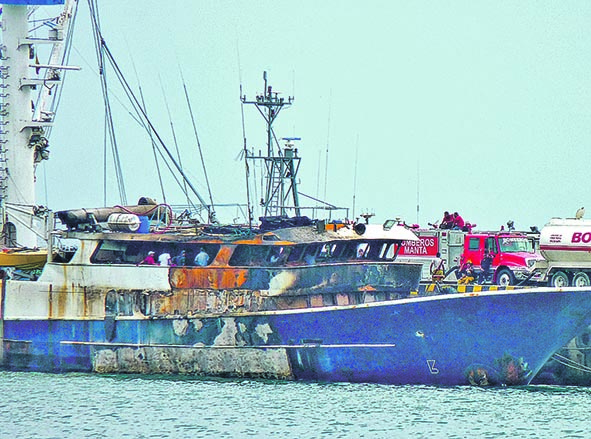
(565, 244)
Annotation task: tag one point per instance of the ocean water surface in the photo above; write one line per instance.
(38, 405)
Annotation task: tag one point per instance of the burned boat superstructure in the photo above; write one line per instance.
(103, 291)
(330, 305)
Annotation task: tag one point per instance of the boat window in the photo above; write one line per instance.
(325, 251)
(296, 253)
(338, 250)
(278, 255)
(247, 254)
(362, 250)
(134, 252)
(310, 254)
(66, 248)
(349, 250)
(373, 251)
(110, 252)
(193, 250)
(387, 250)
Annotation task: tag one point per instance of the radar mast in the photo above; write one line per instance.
(281, 164)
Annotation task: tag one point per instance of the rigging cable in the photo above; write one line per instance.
(327, 144)
(141, 116)
(245, 149)
(150, 126)
(149, 132)
(105, 53)
(355, 176)
(101, 48)
(176, 145)
(565, 361)
(212, 217)
(174, 176)
(246, 168)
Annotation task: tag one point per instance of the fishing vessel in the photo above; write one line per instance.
(287, 298)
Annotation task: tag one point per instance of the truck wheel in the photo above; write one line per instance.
(505, 278)
(559, 280)
(581, 280)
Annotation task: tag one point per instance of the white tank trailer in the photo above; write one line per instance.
(565, 245)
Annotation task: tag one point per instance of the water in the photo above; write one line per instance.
(91, 406)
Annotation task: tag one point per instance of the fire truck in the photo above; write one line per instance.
(513, 262)
(565, 244)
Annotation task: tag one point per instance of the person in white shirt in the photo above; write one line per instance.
(164, 259)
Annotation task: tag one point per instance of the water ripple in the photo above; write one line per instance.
(51, 406)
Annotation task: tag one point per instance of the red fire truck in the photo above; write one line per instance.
(514, 253)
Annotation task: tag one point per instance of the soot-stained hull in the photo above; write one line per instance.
(484, 339)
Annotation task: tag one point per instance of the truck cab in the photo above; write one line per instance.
(514, 255)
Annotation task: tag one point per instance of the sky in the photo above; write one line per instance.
(480, 107)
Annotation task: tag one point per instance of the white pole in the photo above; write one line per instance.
(20, 181)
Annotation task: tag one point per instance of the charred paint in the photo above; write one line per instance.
(208, 277)
(298, 280)
(223, 256)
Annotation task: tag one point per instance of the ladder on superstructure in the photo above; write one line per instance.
(24, 123)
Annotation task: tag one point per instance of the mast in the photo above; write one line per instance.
(22, 129)
(281, 193)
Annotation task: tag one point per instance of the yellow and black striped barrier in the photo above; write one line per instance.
(435, 287)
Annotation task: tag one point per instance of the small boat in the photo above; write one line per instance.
(23, 258)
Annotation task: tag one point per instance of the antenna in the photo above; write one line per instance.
(244, 145)
(281, 167)
(212, 217)
(355, 175)
(418, 186)
(327, 144)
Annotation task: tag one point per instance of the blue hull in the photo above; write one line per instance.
(491, 338)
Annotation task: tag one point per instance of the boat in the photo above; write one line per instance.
(289, 298)
(23, 258)
(289, 303)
